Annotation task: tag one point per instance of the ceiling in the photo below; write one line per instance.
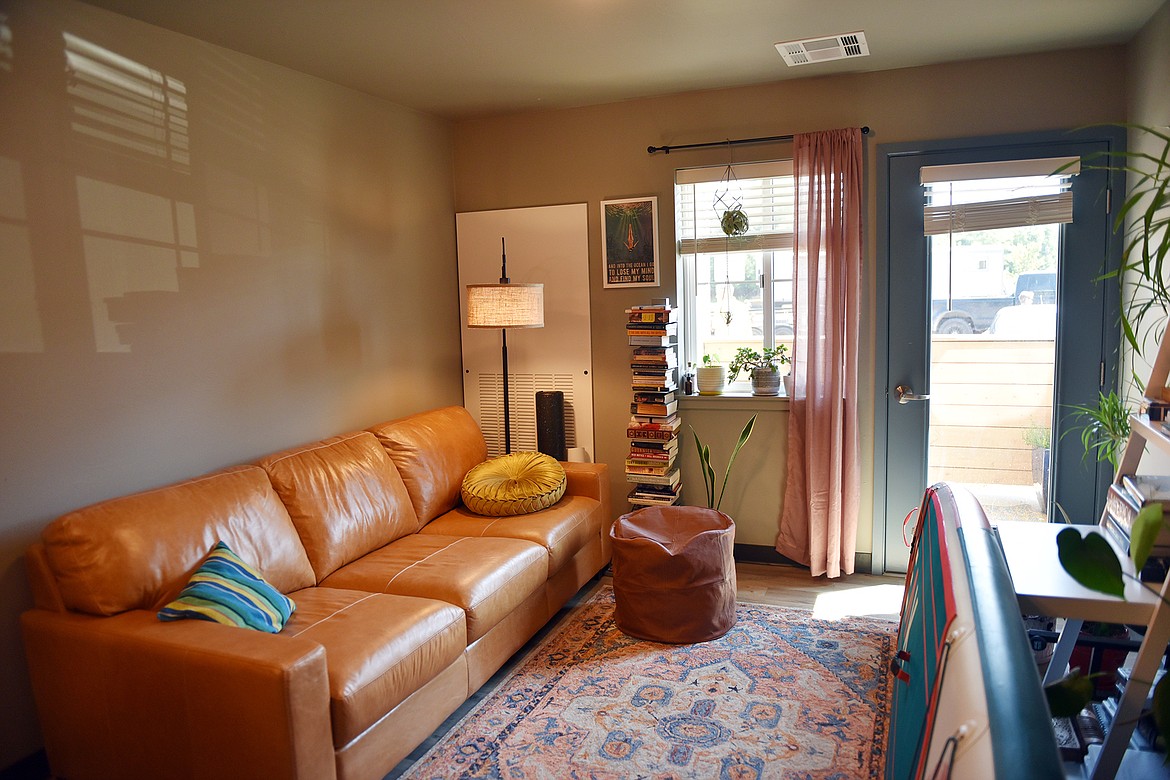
(463, 58)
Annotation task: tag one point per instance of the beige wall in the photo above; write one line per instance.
(1149, 73)
(1149, 105)
(595, 153)
(316, 291)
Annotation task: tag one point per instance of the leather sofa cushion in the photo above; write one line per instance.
(138, 551)
(433, 451)
(345, 497)
(562, 529)
(487, 578)
(379, 649)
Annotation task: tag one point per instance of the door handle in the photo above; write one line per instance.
(906, 394)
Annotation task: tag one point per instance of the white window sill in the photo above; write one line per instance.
(735, 399)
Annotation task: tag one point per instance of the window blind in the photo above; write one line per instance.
(764, 192)
(988, 196)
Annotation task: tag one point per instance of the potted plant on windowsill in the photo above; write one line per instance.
(711, 376)
(763, 366)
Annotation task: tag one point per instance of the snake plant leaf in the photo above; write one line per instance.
(1144, 532)
(1162, 708)
(1090, 560)
(744, 435)
(704, 453)
(1069, 695)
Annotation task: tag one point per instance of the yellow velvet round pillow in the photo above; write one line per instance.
(514, 484)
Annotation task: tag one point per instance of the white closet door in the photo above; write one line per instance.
(547, 245)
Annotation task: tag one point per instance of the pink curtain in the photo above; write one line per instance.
(818, 525)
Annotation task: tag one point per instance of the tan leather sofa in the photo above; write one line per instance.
(406, 604)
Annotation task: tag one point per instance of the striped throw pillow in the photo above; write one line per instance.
(227, 590)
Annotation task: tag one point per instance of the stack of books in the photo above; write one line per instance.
(653, 430)
(653, 333)
(1125, 499)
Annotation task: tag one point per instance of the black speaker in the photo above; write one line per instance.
(550, 423)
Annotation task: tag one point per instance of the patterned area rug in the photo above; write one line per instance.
(780, 695)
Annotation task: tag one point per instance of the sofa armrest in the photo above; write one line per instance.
(587, 479)
(592, 480)
(132, 696)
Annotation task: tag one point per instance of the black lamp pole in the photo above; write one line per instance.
(504, 352)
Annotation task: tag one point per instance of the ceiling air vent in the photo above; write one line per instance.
(835, 47)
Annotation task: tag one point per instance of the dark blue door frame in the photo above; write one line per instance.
(1088, 336)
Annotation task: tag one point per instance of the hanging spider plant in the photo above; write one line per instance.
(1104, 428)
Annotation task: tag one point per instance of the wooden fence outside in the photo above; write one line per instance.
(985, 396)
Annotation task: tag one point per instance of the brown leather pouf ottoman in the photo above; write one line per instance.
(673, 573)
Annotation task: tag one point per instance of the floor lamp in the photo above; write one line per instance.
(505, 305)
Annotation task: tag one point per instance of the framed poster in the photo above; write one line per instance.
(629, 242)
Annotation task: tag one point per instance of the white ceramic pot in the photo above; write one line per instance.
(711, 379)
(788, 385)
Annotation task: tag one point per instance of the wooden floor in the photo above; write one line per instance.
(791, 586)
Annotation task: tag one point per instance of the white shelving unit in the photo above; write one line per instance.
(1044, 588)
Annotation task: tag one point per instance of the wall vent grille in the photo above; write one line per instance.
(522, 389)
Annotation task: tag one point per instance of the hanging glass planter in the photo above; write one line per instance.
(733, 221)
(728, 204)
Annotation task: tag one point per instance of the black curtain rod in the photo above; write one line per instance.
(737, 142)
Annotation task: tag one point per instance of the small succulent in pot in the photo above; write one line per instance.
(734, 222)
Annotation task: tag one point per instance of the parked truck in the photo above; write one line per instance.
(974, 315)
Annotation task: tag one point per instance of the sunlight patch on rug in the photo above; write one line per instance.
(780, 695)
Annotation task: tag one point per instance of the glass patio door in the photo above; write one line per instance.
(993, 332)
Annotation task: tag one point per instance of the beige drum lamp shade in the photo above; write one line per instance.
(505, 305)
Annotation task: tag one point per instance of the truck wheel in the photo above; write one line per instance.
(955, 326)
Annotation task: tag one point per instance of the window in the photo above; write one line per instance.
(993, 233)
(736, 290)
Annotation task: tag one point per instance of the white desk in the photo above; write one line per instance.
(1043, 587)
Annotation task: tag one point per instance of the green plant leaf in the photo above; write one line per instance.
(705, 462)
(1104, 427)
(744, 435)
(1090, 560)
(1142, 218)
(705, 466)
(1069, 695)
(1144, 532)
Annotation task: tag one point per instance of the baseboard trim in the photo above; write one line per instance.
(34, 767)
(758, 553)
